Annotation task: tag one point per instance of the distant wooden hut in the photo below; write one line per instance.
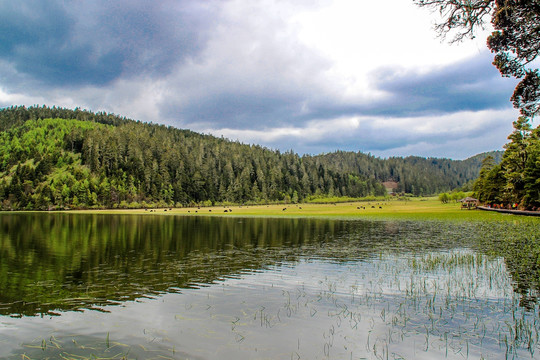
(469, 203)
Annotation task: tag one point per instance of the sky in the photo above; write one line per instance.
(309, 76)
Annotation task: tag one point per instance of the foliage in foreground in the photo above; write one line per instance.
(515, 42)
(516, 180)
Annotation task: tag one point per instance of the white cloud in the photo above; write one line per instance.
(459, 134)
(362, 36)
(306, 75)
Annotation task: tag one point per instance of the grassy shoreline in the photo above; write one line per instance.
(416, 209)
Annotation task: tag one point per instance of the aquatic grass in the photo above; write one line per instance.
(425, 312)
(77, 347)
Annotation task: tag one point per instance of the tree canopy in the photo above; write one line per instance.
(516, 180)
(515, 40)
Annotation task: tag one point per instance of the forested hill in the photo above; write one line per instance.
(414, 175)
(59, 158)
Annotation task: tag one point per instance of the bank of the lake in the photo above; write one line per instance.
(414, 209)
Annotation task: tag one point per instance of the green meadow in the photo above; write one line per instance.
(415, 209)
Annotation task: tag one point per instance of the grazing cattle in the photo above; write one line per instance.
(210, 210)
(284, 209)
(226, 210)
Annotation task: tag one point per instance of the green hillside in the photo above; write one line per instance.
(53, 158)
(413, 174)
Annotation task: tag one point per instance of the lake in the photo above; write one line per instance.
(87, 286)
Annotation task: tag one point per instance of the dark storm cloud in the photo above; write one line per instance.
(71, 43)
(239, 69)
(248, 77)
(238, 110)
(470, 85)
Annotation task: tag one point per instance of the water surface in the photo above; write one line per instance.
(87, 286)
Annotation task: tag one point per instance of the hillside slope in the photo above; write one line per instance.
(413, 174)
(61, 158)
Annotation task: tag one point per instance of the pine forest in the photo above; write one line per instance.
(56, 158)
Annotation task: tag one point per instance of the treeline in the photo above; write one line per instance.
(60, 158)
(414, 175)
(106, 161)
(17, 115)
(516, 179)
